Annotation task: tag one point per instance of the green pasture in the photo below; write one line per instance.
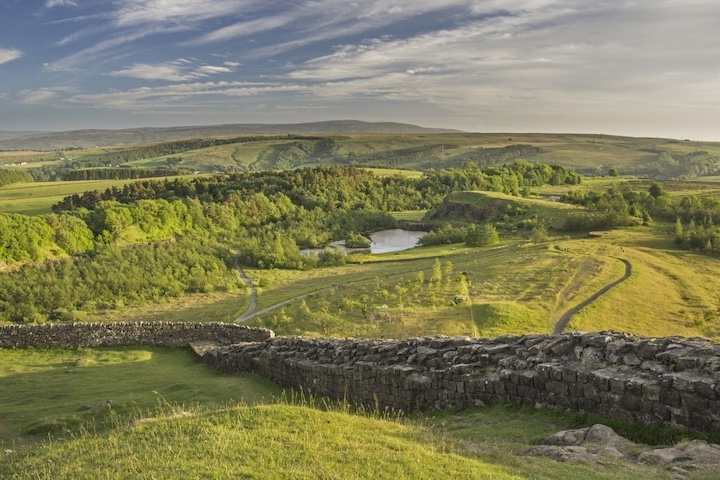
(142, 412)
(595, 153)
(57, 391)
(36, 198)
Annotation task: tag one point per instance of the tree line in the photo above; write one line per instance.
(8, 176)
(122, 173)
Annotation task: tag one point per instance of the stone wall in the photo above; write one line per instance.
(127, 333)
(672, 381)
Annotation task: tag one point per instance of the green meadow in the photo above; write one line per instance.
(140, 412)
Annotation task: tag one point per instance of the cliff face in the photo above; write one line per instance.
(450, 209)
(670, 381)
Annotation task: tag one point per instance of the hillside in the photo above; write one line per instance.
(92, 138)
(4, 134)
(216, 149)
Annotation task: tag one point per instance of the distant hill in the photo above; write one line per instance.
(92, 138)
(4, 134)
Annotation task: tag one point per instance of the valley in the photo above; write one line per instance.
(519, 229)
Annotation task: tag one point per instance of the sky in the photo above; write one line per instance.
(626, 67)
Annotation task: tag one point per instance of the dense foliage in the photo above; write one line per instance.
(121, 173)
(269, 215)
(676, 165)
(696, 217)
(336, 188)
(14, 176)
(114, 277)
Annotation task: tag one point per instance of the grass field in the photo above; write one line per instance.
(16, 159)
(516, 288)
(36, 198)
(59, 390)
(172, 417)
(65, 413)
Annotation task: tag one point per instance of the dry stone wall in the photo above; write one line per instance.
(672, 381)
(168, 334)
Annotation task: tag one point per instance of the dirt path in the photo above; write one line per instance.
(250, 312)
(253, 291)
(562, 323)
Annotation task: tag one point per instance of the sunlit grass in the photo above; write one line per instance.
(36, 198)
(57, 391)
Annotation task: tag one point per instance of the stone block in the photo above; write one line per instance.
(557, 388)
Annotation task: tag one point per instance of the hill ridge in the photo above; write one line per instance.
(88, 138)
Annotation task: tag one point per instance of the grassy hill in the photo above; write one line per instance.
(94, 138)
(199, 423)
(406, 149)
(155, 413)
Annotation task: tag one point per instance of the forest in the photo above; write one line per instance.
(120, 173)
(8, 177)
(167, 237)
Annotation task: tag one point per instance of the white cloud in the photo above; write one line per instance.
(210, 70)
(139, 12)
(60, 3)
(169, 72)
(179, 95)
(34, 97)
(9, 54)
(90, 54)
(180, 70)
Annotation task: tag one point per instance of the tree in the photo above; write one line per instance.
(447, 271)
(613, 173)
(656, 190)
(437, 274)
(539, 234)
(482, 235)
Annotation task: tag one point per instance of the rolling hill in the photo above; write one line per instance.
(92, 138)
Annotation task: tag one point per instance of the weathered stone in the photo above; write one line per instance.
(441, 372)
(563, 454)
(632, 360)
(591, 358)
(660, 456)
(127, 333)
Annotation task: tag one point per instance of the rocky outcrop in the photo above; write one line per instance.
(451, 209)
(600, 443)
(671, 381)
(168, 334)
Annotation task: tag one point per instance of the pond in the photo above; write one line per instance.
(383, 241)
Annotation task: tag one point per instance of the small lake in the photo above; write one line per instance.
(383, 241)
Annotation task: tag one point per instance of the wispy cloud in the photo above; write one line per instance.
(180, 70)
(93, 53)
(34, 97)
(316, 20)
(9, 54)
(60, 3)
(179, 95)
(143, 12)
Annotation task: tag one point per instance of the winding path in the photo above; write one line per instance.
(250, 312)
(253, 292)
(562, 323)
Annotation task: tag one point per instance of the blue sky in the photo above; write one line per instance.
(631, 67)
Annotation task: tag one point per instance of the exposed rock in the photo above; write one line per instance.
(564, 454)
(660, 456)
(599, 441)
